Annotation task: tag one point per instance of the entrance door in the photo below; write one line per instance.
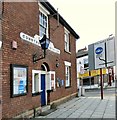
(43, 93)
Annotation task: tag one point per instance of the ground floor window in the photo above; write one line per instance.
(36, 82)
(88, 81)
(92, 81)
(67, 74)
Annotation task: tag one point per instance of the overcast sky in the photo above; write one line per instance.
(93, 20)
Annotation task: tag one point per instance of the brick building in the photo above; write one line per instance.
(28, 85)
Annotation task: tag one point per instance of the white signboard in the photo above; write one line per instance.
(99, 53)
(104, 53)
(35, 40)
(110, 51)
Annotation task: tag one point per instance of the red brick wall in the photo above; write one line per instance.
(57, 37)
(18, 17)
(23, 17)
(0, 64)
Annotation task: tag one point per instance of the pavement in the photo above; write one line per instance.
(88, 107)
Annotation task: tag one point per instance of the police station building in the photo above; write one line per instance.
(38, 58)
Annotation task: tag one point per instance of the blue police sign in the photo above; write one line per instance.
(99, 50)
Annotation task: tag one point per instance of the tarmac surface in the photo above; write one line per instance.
(89, 107)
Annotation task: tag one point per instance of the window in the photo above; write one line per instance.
(67, 41)
(86, 65)
(67, 74)
(36, 82)
(43, 21)
(43, 24)
(19, 80)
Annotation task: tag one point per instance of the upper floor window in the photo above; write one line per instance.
(67, 40)
(86, 65)
(43, 21)
(42, 24)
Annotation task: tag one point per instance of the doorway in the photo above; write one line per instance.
(43, 88)
(44, 79)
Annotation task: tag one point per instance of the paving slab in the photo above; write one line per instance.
(86, 107)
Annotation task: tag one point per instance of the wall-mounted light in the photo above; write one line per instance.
(44, 45)
(57, 64)
(0, 44)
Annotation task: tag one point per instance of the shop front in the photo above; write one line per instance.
(91, 79)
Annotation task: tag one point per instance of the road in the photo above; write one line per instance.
(90, 106)
(106, 92)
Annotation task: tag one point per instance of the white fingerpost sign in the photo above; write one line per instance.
(110, 51)
(99, 53)
(102, 54)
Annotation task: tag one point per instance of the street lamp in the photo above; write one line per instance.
(44, 45)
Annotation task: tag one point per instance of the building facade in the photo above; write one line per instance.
(89, 78)
(28, 85)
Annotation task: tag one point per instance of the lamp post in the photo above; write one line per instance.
(44, 45)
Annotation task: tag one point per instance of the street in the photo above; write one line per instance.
(106, 92)
(88, 106)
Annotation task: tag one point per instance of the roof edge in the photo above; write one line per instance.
(52, 10)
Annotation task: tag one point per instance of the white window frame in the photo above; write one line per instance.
(51, 81)
(48, 80)
(67, 73)
(39, 82)
(67, 76)
(67, 40)
(46, 13)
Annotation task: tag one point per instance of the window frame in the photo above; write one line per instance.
(86, 63)
(67, 65)
(67, 76)
(34, 92)
(45, 12)
(67, 40)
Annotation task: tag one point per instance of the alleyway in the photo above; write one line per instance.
(90, 106)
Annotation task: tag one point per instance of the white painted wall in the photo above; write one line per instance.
(80, 62)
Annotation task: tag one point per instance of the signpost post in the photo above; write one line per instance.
(101, 82)
(98, 52)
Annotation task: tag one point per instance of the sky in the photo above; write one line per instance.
(92, 20)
